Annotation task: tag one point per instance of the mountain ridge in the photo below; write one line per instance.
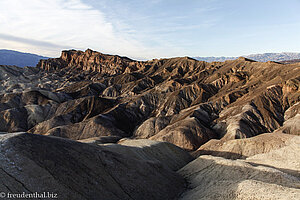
(21, 59)
(88, 125)
(161, 91)
(264, 57)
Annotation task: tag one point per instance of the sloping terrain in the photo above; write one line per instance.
(264, 57)
(20, 59)
(273, 175)
(126, 117)
(243, 148)
(290, 61)
(179, 100)
(73, 170)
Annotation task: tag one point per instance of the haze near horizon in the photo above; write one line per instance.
(150, 29)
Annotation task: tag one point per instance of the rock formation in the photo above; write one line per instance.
(271, 175)
(178, 100)
(109, 124)
(258, 177)
(243, 148)
(73, 170)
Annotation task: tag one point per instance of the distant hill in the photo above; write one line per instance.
(290, 61)
(10, 57)
(258, 57)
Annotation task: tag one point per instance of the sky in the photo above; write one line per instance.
(147, 29)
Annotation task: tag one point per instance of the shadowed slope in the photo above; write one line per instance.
(32, 163)
(178, 100)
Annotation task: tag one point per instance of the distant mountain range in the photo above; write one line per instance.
(10, 57)
(258, 57)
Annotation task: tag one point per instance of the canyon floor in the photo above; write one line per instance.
(88, 125)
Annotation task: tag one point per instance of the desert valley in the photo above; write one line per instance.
(89, 125)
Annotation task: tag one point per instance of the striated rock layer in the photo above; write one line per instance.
(179, 100)
(243, 148)
(267, 176)
(124, 115)
(32, 163)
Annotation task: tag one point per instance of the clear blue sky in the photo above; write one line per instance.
(153, 28)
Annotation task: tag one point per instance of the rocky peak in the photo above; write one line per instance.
(68, 54)
(51, 64)
(89, 60)
(234, 109)
(245, 59)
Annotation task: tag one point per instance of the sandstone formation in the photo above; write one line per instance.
(243, 148)
(179, 100)
(166, 153)
(285, 159)
(273, 175)
(291, 123)
(108, 127)
(33, 163)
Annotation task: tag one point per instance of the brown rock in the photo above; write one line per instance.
(243, 148)
(243, 98)
(73, 170)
